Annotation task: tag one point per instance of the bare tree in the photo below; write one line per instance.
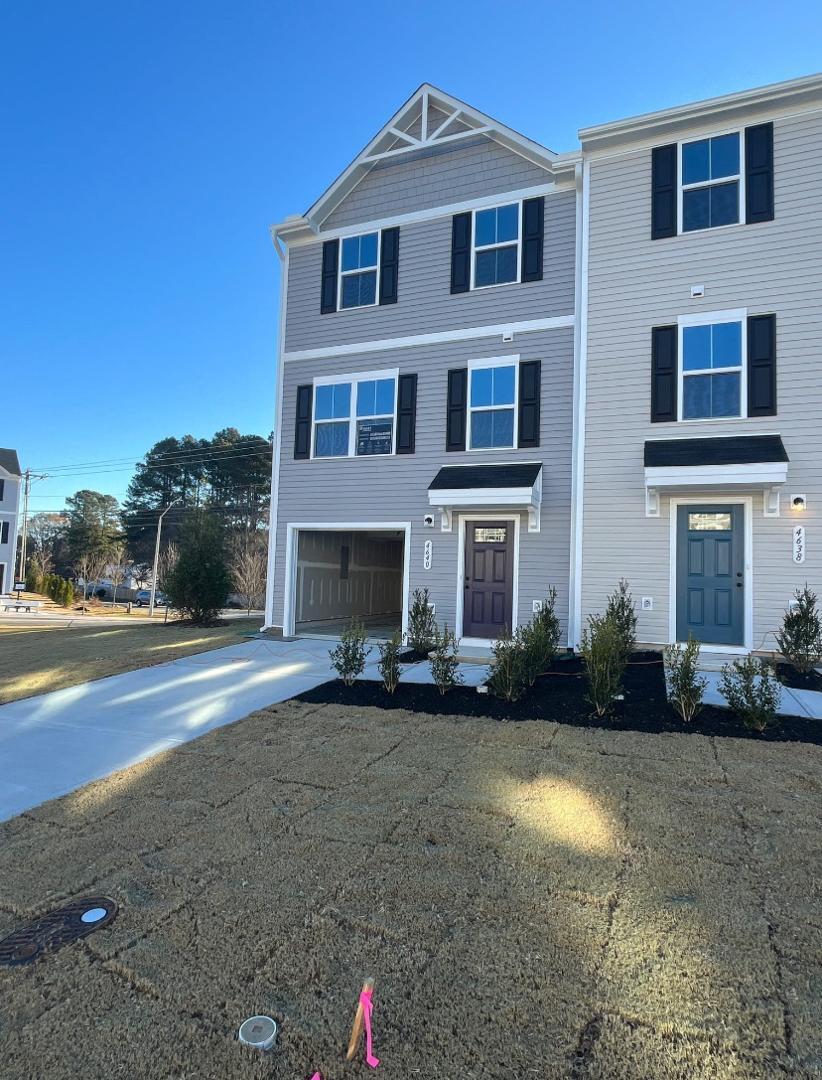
(117, 567)
(139, 573)
(247, 562)
(43, 531)
(90, 567)
(166, 563)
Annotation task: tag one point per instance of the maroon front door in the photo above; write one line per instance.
(489, 579)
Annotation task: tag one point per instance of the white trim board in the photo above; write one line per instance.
(461, 521)
(470, 333)
(745, 501)
(293, 528)
(278, 433)
(583, 178)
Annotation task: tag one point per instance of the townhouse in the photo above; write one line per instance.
(10, 481)
(503, 370)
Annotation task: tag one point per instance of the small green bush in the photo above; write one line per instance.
(444, 664)
(622, 613)
(751, 689)
(422, 624)
(686, 687)
(540, 638)
(605, 656)
(800, 640)
(348, 658)
(388, 664)
(509, 667)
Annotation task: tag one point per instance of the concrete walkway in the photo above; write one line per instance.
(792, 702)
(54, 743)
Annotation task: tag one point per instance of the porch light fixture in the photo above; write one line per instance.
(799, 503)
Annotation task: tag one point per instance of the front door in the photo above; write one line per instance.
(710, 594)
(489, 579)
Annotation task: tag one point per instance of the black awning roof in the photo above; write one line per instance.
(735, 450)
(515, 475)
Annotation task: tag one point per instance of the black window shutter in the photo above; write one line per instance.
(328, 294)
(533, 231)
(4, 533)
(761, 365)
(302, 424)
(664, 373)
(461, 253)
(663, 191)
(389, 265)
(406, 414)
(457, 409)
(530, 372)
(759, 173)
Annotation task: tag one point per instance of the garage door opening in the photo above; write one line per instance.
(343, 574)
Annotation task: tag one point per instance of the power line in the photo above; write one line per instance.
(180, 456)
(228, 456)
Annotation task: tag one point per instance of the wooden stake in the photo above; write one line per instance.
(357, 1029)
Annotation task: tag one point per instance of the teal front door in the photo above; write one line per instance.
(710, 574)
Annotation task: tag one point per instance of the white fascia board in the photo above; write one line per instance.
(470, 333)
(757, 473)
(479, 497)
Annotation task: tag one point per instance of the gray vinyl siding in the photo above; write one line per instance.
(395, 489)
(425, 303)
(635, 283)
(435, 177)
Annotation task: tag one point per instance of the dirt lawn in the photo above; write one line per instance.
(36, 659)
(533, 900)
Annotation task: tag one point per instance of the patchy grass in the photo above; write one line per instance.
(534, 900)
(34, 660)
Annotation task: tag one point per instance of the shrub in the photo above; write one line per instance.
(686, 687)
(389, 662)
(751, 689)
(509, 668)
(621, 611)
(444, 664)
(33, 579)
(422, 625)
(800, 640)
(603, 649)
(200, 581)
(348, 658)
(540, 638)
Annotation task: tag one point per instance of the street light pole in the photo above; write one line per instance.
(157, 557)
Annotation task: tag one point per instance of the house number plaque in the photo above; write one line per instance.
(799, 543)
(427, 555)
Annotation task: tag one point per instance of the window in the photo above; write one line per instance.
(712, 384)
(358, 270)
(2, 489)
(489, 536)
(4, 533)
(496, 246)
(492, 399)
(354, 417)
(711, 522)
(710, 182)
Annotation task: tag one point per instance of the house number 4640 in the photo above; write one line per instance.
(427, 555)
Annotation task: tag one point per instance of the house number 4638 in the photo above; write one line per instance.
(799, 543)
(427, 555)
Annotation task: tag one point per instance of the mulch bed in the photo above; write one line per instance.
(412, 656)
(560, 695)
(790, 677)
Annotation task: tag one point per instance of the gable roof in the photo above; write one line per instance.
(9, 462)
(429, 118)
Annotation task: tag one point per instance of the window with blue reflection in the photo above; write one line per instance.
(332, 402)
(359, 252)
(492, 428)
(331, 440)
(709, 389)
(704, 162)
(492, 389)
(375, 397)
(358, 265)
(495, 264)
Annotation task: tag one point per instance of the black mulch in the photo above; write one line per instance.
(791, 677)
(412, 656)
(560, 695)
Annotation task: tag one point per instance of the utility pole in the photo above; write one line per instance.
(157, 558)
(28, 476)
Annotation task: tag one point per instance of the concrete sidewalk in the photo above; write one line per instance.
(792, 702)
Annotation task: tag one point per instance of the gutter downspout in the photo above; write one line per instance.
(282, 254)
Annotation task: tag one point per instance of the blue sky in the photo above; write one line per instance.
(147, 147)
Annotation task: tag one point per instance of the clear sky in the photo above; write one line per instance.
(148, 145)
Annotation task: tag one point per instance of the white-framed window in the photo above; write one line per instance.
(712, 350)
(359, 270)
(711, 182)
(354, 415)
(495, 257)
(493, 387)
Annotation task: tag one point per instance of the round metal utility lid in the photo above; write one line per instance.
(259, 1032)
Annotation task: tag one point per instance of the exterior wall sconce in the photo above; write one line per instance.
(799, 502)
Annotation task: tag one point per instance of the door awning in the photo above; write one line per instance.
(483, 487)
(738, 461)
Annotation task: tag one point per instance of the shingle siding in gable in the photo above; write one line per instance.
(425, 303)
(435, 177)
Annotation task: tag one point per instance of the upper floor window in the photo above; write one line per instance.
(354, 415)
(492, 405)
(4, 532)
(712, 368)
(711, 182)
(496, 246)
(2, 489)
(358, 270)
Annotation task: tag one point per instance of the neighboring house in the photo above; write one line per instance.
(10, 481)
(502, 370)
(703, 423)
(426, 381)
